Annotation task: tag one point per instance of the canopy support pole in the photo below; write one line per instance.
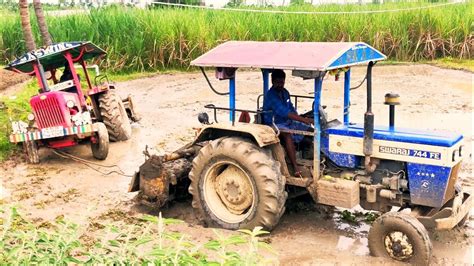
(77, 82)
(84, 68)
(347, 91)
(265, 75)
(232, 99)
(39, 71)
(318, 83)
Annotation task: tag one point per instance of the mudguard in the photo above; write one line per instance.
(262, 134)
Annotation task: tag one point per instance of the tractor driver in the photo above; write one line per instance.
(277, 100)
(67, 75)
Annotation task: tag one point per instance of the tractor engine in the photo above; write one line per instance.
(412, 167)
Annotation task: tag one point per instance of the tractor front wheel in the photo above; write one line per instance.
(236, 184)
(31, 150)
(100, 142)
(114, 116)
(401, 237)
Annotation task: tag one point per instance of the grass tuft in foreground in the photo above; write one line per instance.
(142, 242)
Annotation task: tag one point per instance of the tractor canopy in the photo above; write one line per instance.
(52, 57)
(312, 56)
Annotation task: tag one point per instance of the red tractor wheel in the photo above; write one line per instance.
(100, 143)
(31, 150)
(114, 116)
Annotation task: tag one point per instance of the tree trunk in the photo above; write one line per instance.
(42, 23)
(26, 26)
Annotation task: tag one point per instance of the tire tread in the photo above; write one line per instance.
(272, 195)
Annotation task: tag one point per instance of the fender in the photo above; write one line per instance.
(263, 135)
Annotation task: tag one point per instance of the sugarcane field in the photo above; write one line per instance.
(196, 132)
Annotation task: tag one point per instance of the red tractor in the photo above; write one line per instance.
(64, 115)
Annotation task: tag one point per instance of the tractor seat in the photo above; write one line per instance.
(244, 117)
(444, 139)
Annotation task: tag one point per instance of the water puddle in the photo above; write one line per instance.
(355, 240)
(357, 246)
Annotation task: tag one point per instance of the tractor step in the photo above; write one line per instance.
(337, 192)
(129, 107)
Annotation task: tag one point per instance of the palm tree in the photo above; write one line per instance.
(26, 26)
(42, 23)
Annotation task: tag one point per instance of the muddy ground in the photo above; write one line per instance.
(432, 99)
(8, 78)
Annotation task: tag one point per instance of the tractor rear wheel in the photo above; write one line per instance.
(401, 237)
(31, 150)
(100, 145)
(236, 184)
(114, 116)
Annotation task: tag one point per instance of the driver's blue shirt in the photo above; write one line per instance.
(279, 102)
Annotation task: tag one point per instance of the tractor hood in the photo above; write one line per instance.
(401, 144)
(443, 139)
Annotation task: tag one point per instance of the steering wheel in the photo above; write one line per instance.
(323, 116)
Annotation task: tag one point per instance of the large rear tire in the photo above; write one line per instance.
(100, 146)
(236, 184)
(31, 150)
(114, 116)
(400, 237)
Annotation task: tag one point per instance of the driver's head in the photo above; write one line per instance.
(278, 78)
(66, 68)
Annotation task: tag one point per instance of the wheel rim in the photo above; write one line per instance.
(97, 136)
(229, 192)
(398, 245)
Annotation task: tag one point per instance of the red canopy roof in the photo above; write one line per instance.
(289, 55)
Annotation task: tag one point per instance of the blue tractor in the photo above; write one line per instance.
(239, 177)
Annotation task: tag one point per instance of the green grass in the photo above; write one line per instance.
(454, 63)
(134, 241)
(13, 108)
(169, 38)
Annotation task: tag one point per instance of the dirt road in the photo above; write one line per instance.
(432, 99)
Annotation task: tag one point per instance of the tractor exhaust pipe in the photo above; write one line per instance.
(41, 73)
(369, 124)
(392, 99)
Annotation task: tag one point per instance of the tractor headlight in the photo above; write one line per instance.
(31, 117)
(70, 104)
(455, 152)
(460, 151)
(86, 117)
